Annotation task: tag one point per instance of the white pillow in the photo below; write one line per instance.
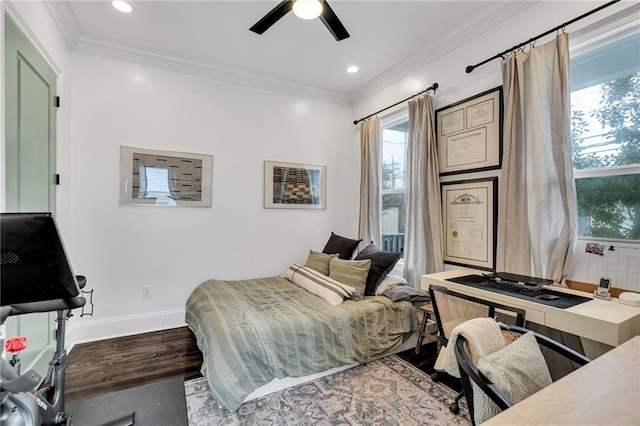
(390, 281)
(332, 291)
(519, 370)
(398, 269)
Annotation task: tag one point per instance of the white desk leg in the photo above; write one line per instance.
(593, 349)
(440, 360)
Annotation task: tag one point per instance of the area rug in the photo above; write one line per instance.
(386, 392)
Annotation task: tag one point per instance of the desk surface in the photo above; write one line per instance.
(607, 322)
(605, 391)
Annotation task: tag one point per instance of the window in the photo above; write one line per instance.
(154, 183)
(394, 154)
(605, 115)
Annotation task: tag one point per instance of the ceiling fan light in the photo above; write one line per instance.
(122, 6)
(307, 9)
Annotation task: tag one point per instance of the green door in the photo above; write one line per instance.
(30, 148)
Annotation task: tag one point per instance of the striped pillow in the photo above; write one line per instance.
(322, 286)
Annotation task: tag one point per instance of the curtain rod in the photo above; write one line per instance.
(470, 68)
(433, 87)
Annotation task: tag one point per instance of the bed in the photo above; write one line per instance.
(255, 331)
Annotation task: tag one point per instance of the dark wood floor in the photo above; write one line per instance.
(111, 365)
(97, 368)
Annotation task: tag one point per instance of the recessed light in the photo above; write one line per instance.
(352, 69)
(122, 6)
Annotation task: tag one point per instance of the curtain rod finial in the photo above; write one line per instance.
(355, 121)
(469, 68)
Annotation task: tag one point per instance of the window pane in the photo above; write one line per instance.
(393, 221)
(394, 152)
(609, 207)
(605, 105)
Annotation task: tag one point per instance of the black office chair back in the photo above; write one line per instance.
(452, 309)
(469, 372)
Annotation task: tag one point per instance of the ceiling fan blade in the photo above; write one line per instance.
(333, 24)
(272, 17)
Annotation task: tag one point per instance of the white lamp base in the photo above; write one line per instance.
(628, 298)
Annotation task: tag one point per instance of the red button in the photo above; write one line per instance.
(16, 344)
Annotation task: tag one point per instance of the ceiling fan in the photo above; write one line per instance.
(320, 7)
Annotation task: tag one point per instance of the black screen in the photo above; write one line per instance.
(35, 267)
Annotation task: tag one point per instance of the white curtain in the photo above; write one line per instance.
(538, 211)
(423, 228)
(369, 228)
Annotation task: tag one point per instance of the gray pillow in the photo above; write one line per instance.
(382, 262)
(519, 370)
(352, 273)
(403, 292)
(319, 261)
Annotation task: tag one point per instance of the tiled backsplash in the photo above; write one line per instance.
(620, 263)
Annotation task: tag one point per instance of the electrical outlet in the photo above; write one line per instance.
(146, 292)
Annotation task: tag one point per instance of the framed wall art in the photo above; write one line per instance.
(294, 186)
(165, 178)
(469, 213)
(469, 134)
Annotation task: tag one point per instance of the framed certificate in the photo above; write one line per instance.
(469, 213)
(469, 134)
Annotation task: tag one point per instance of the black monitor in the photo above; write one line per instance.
(33, 263)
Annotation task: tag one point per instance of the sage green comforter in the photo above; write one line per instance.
(253, 331)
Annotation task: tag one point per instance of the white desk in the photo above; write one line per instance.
(604, 392)
(600, 324)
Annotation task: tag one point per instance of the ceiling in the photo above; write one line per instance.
(212, 38)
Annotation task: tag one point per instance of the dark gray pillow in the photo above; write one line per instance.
(341, 245)
(382, 262)
(404, 292)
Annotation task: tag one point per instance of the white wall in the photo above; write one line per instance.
(455, 84)
(108, 103)
(122, 248)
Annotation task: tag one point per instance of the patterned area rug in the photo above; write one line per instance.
(388, 391)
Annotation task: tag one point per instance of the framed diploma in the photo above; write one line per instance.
(469, 212)
(469, 134)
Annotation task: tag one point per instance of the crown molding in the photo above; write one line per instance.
(62, 14)
(66, 20)
(107, 49)
(424, 57)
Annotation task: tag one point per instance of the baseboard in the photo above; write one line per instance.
(84, 330)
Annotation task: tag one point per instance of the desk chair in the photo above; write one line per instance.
(469, 372)
(452, 309)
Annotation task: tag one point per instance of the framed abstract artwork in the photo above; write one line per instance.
(294, 186)
(150, 177)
